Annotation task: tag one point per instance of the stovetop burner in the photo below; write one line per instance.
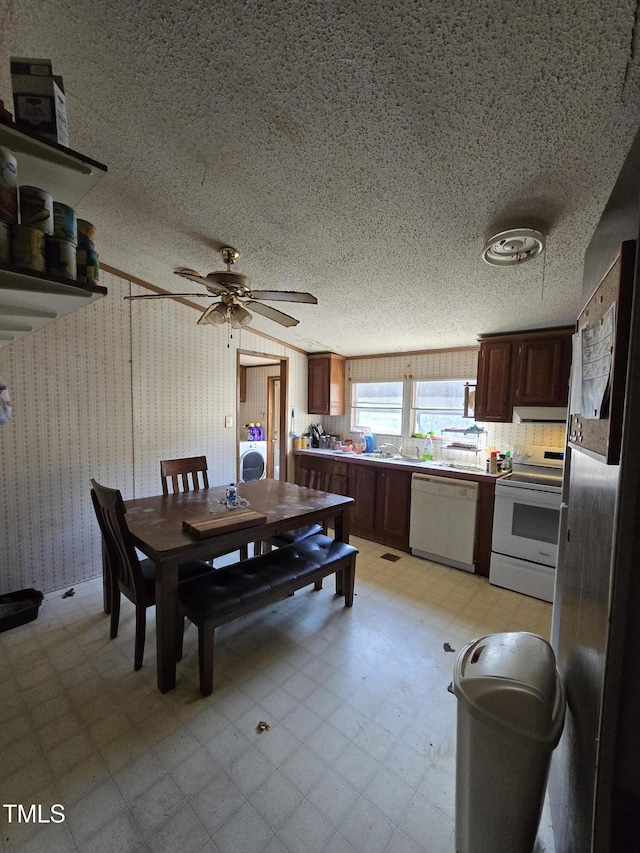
(535, 467)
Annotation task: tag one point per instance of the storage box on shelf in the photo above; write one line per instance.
(30, 300)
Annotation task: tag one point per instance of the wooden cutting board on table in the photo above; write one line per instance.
(224, 522)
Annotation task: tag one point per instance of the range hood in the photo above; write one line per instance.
(539, 415)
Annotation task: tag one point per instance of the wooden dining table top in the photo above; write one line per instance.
(156, 522)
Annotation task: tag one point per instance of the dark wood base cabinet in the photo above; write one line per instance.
(382, 502)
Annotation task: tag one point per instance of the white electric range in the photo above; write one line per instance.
(526, 522)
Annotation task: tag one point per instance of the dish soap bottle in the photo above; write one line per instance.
(427, 449)
(368, 441)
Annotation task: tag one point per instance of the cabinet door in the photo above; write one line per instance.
(318, 386)
(493, 394)
(393, 499)
(362, 488)
(543, 373)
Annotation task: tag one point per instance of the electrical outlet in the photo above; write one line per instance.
(228, 421)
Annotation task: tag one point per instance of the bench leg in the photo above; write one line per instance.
(205, 657)
(318, 585)
(180, 626)
(340, 582)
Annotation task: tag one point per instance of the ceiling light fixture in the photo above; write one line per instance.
(508, 247)
(216, 315)
(239, 316)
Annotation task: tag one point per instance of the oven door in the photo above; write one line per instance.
(526, 524)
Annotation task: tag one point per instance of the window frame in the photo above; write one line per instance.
(401, 409)
(415, 409)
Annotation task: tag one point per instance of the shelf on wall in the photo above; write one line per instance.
(30, 300)
(64, 173)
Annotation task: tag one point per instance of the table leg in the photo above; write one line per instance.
(166, 620)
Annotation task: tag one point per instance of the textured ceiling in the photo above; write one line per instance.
(358, 150)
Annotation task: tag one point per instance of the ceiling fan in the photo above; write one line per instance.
(236, 296)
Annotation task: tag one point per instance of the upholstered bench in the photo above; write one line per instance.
(221, 596)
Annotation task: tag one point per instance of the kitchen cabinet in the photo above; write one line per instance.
(382, 498)
(522, 369)
(31, 300)
(326, 384)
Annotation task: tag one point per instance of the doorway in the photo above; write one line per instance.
(262, 399)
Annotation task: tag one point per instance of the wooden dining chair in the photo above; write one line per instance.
(314, 473)
(184, 475)
(132, 577)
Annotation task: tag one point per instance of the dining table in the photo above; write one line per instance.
(156, 527)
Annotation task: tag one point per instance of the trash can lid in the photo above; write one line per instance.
(511, 679)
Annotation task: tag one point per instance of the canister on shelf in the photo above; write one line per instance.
(27, 248)
(88, 269)
(5, 243)
(36, 209)
(86, 235)
(65, 223)
(61, 258)
(8, 186)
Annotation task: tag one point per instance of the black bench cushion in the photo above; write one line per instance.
(228, 589)
(293, 536)
(324, 550)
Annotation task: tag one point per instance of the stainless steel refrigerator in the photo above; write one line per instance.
(594, 785)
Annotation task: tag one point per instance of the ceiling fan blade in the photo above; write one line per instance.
(193, 275)
(272, 313)
(166, 295)
(284, 296)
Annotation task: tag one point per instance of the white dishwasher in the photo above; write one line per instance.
(443, 520)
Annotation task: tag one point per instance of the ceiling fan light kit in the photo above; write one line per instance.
(232, 288)
(510, 246)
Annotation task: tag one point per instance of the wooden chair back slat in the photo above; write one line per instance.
(184, 475)
(315, 473)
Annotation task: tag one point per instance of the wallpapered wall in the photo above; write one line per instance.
(452, 364)
(106, 393)
(254, 409)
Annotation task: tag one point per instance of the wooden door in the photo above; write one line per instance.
(493, 394)
(543, 371)
(393, 499)
(362, 488)
(318, 403)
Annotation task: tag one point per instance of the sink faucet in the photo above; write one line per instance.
(387, 444)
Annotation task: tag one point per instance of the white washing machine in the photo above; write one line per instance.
(253, 460)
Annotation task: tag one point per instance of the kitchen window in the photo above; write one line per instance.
(437, 405)
(378, 406)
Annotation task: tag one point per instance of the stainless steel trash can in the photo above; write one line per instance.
(511, 708)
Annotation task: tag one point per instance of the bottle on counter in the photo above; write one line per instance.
(369, 442)
(507, 461)
(232, 496)
(493, 462)
(427, 447)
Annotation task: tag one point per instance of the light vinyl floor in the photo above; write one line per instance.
(359, 756)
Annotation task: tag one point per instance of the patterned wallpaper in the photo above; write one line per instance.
(451, 364)
(254, 410)
(106, 393)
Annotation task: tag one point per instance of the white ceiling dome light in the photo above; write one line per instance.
(508, 247)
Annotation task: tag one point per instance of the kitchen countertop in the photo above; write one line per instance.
(436, 467)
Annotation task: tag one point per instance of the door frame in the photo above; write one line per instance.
(284, 405)
(271, 381)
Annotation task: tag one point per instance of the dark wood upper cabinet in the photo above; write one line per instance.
(523, 369)
(326, 384)
(493, 392)
(543, 375)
